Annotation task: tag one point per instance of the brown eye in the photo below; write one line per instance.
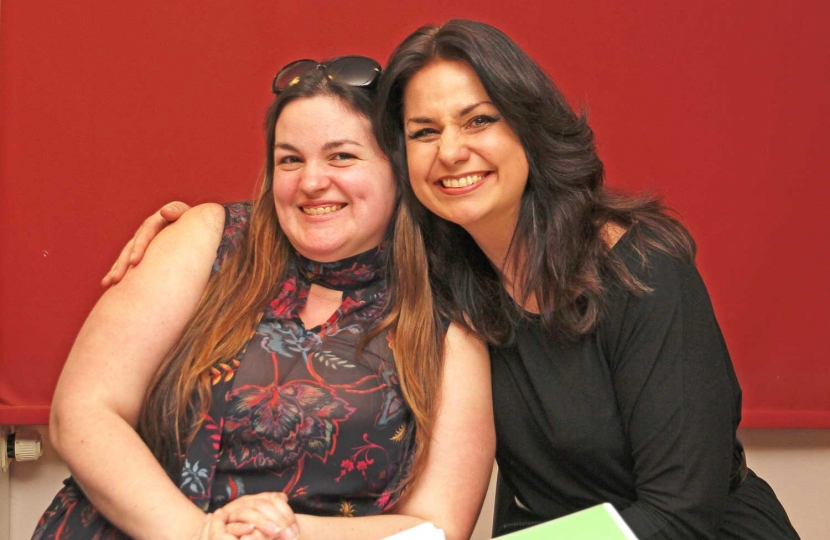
(483, 120)
(342, 159)
(423, 133)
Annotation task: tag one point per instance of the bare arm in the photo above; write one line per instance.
(102, 386)
(134, 251)
(451, 489)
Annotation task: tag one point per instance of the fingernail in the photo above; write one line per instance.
(275, 529)
(292, 532)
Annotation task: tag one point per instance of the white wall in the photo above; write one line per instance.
(795, 462)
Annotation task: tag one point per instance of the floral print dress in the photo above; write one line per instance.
(297, 411)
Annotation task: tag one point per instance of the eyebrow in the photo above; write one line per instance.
(328, 146)
(331, 145)
(463, 112)
(285, 146)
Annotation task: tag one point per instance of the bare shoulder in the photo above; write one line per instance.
(193, 238)
(202, 224)
(210, 215)
(463, 345)
(457, 334)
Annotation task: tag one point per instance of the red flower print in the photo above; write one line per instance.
(289, 422)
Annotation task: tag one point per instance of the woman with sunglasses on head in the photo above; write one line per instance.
(297, 378)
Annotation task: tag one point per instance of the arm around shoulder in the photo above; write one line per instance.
(117, 352)
(133, 325)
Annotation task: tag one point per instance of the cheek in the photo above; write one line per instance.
(284, 186)
(283, 200)
(418, 162)
(386, 197)
(513, 155)
(520, 164)
(386, 209)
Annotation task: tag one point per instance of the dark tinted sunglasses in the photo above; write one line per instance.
(359, 71)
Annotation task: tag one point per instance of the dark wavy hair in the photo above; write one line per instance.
(559, 250)
(235, 297)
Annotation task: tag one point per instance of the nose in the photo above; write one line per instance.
(452, 148)
(314, 179)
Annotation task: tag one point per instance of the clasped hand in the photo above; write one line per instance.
(265, 516)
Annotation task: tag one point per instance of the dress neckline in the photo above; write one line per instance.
(356, 272)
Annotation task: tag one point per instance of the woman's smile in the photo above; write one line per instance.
(334, 192)
(466, 164)
(454, 185)
(321, 209)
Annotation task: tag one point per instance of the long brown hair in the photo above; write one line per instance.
(558, 250)
(179, 396)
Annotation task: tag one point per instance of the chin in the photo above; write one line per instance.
(465, 220)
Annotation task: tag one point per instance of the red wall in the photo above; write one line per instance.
(111, 108)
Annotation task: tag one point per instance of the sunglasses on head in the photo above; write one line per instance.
(359, 71)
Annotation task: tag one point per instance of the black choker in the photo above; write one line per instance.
(355, 272)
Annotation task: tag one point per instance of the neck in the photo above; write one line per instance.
(494, 237)
(495, 241)
(356, 272)
(320, 305)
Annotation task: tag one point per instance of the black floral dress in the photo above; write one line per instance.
(297, 411)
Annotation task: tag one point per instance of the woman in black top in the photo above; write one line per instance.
(611, 379)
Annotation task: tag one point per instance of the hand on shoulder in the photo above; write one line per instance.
(132, 253)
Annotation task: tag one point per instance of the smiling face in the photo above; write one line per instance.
(334, 190)
(466, 164)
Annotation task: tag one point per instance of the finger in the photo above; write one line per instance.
(151, 227)
(240, 529)
(257, 535)
(286, 520)
(273, 505)
(202, 532)
(123, 261)
(216, 528)
(270, 525)
(174, 210)
(119, 268)
(292, 532)
(222, 515)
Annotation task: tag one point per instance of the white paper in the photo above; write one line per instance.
(424, 531)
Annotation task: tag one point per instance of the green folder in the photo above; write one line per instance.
(601, 522)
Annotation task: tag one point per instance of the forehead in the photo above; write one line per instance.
(324, 117)
(443, 86)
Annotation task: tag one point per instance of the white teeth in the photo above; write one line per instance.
(320, 210)
(464, 181)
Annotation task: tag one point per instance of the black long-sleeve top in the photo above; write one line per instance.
(642, 412)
